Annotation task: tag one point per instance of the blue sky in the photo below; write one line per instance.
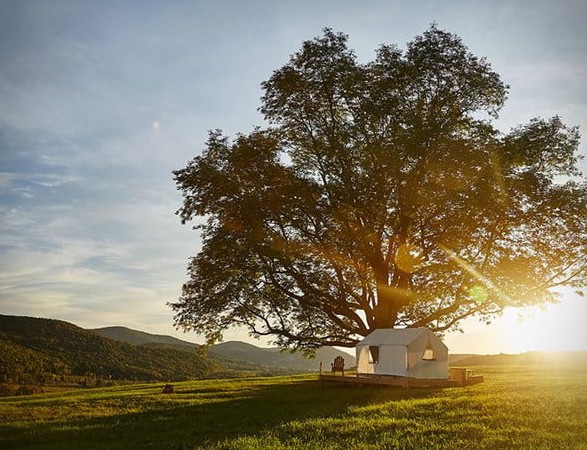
(101, 100)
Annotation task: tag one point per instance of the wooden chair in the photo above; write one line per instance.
(337, 365)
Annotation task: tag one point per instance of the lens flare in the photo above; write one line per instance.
(478, 293)
(483, 280)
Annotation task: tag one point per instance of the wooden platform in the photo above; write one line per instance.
(458, 376)
(380, 380)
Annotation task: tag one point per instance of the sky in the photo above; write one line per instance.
(101, 100)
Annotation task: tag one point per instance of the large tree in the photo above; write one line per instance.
(380, 195)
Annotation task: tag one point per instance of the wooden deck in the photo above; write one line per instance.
(369, 380)
(458, 376)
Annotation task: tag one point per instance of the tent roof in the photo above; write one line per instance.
(393, 336)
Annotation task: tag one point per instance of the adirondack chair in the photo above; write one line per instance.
(337, 365)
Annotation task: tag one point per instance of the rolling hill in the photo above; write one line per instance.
(34, 350)
(124, 334)
(535, 358)
(41, 350)
(273, 357)
(37, 350)
(234, 354)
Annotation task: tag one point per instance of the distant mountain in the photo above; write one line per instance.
(160, 341)
(44, 350)
(37, 350)
(273, 357)
(235, 355)
(454, 359)
(131, 336)
(528, 358)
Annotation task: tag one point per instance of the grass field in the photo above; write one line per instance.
(517, 407)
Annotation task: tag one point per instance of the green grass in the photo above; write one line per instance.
(517, 407)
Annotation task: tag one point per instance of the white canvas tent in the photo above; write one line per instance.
(409, 352)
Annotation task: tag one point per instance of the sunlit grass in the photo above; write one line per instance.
(517, 407)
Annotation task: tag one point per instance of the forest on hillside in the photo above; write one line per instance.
(45, 351)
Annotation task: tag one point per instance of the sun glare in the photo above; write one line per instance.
(528, 330)
(552, 328)
(558, 327)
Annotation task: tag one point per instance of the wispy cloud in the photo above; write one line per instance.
(87, 201)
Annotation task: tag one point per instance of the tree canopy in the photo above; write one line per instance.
(380, 195)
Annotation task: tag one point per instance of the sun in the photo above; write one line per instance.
(551, 328)
(558, 327)
(528, 330)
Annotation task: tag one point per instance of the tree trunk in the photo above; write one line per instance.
(385, 313)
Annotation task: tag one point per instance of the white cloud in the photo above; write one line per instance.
(100, 102)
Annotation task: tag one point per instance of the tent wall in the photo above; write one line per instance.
(392, 360)
(419, 368)
(404, 359)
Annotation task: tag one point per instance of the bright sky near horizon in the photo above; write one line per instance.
(101, 100)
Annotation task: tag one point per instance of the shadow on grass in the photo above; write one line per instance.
(192, 417)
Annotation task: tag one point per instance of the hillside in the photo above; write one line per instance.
(123, 334)
(128, 335)
(529, 358)
(234, 354)
(275, 358)
(34, 350)
(43, 350)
